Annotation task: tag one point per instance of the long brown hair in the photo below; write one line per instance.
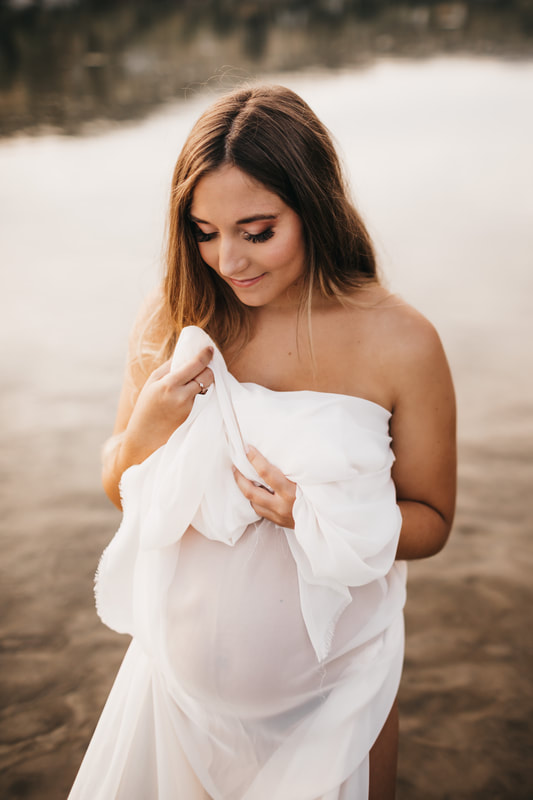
(271, 134)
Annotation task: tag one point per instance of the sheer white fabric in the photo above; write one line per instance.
(264, 660)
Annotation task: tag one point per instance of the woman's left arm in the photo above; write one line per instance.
(423, 439)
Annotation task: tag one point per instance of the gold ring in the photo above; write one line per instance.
(203, 389)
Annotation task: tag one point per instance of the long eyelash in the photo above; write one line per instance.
(204, 237)
(264, 236)
(200, 235)
(256, 238)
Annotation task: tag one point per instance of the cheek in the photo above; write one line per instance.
(290, 251)
(208, 254)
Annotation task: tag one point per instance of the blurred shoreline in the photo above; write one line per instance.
(72, 65)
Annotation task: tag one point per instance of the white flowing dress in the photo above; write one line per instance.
(264, 660)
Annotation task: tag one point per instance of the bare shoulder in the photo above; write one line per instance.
(416, 360)
(407, 332)
(403, 344)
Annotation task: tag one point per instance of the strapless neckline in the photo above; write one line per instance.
(349, 399)
(314, 392)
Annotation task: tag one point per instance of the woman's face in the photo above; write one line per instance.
(249, 237)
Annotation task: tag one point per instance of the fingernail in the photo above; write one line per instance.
(249, 450)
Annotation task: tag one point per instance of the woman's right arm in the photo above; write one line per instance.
(149, 411)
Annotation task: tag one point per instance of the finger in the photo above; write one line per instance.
(201, 382)
(250, 489)
(192, 368)
(197, 384)
(258, 495)
(274, 507)
(205, 377)
(243, 483)
(270, 474)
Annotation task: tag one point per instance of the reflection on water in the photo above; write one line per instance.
(64, 63)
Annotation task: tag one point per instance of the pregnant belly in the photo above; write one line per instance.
(235, 635)
(235, 632)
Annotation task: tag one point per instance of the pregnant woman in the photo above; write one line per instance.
(285, 440)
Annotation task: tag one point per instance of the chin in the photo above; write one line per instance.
(252, 302)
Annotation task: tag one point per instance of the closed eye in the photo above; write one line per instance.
(256, 238)
(199, 234)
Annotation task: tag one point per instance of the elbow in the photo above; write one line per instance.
(439, 529)
(445, 528)
(439, 540)
(110, 481)
(425, 530)
(110, 486)
(112, 491)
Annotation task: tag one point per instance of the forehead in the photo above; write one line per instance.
(228, 192)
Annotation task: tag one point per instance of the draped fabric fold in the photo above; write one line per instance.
(273, 655)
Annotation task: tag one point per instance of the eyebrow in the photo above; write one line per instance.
(244, 221)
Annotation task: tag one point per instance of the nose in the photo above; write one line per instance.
(231, 260)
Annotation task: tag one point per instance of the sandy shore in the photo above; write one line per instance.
(466, 696)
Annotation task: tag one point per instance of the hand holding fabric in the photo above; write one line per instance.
(164, 403)
(274, 499)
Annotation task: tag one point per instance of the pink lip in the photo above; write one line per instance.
(246, 283)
